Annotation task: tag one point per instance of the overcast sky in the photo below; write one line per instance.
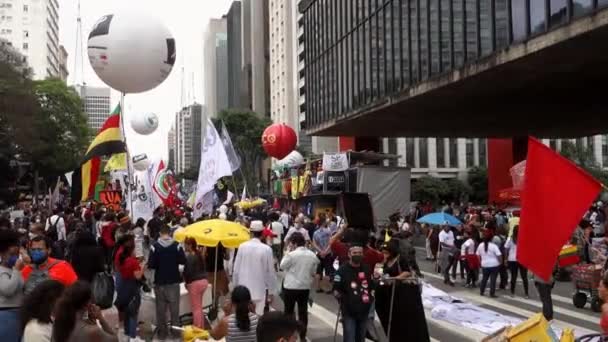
(187, 19)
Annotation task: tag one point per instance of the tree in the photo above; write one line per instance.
(478, 181)
(458, 191)
(583, 156)
(245, 129)
(63, 134)
(429, 189)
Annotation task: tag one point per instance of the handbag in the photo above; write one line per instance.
(103, 290)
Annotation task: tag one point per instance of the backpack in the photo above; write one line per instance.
(52, 233)
(37, 277)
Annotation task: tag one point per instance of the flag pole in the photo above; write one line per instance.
(124, 137)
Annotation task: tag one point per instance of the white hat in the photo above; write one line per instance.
(256, 226)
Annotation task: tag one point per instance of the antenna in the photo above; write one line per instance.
(183, 99)
(192, 88)
(78, 50)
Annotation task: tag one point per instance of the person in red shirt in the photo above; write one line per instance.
(128, 299)
(371, 257)
(39, 250)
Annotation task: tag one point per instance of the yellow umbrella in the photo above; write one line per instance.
(210, 233)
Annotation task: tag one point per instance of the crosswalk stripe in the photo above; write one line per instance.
(558, 309)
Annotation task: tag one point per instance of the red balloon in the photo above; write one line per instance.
(279, 140)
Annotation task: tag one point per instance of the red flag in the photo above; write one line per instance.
(555, 196)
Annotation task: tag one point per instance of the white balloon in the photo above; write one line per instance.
(293, 159)
(131, 52)
(141, 162)
(144, 124)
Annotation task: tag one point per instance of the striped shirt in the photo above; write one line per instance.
(237, 335)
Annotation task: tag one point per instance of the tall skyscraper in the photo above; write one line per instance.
(171, 144)
(233, 31)
(255, 56)
(188, 128)
(63, 64)
(96, 103)
(32, 27)
(216, 66)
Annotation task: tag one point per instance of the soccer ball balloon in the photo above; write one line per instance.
(145, 124)
(131, 52)
(141, 162)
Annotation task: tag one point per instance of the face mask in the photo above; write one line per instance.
(356, 259)
(12, 260)
(38, 257)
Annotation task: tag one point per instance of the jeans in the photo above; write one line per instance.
(491, 273)
(504, 275)
(544, 292)
(130, 325)
(167, 296)
(196, 289)
(10, 329)
(301, 298)
(515, 266)
(354, 329)
(446, 271)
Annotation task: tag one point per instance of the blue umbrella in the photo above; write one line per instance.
(440, 219)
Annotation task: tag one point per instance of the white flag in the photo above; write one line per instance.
(233, 157)
(214, 165)
(335, 162)
(142, 196)
(244, 195)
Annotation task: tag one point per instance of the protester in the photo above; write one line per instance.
(407, 250)
(183, 223)
(353, 288)
(165, 257)
(240, 321)
(76, 317)
(36, 229)
(408, 320)
(544, 288)
(471, 259)
(155, 224)
(11, 285)
(320, 244)
(300, 266)
(448, 250)
(195, 278)
(491, 258)
(500, 238)
(277, 327)
(56, 230)
(124, 226)
(87, 258)
(298, 228)
(277, 230)
(514, 265)
(44, 267)
(128, 299)
(340, 249)
(254, 268)
(108, 241)
(603, 294)
(38, 310)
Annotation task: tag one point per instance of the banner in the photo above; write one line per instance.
(335, 162)
(214, 165)
(111, 199)
(161, 185)
(142, 197)
(116, 162)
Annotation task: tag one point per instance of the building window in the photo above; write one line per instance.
(483, 156)
(409, 152)
(470, 153)
(26, 34)
(424, 152)
(453, 153)
(26, 46)
(26, 8)
(605, 151)
(440, 148)
(553, 144)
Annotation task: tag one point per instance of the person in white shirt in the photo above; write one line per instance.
(448, 250)
(514, 265)
(59, 223)
(277, 231)
(300, 266)
(490, 261)
(284, 218)
(471, 260)
(254, 268)
(298, 228)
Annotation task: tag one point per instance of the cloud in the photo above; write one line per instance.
(186, 19)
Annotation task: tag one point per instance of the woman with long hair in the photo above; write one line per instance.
(195, 278)
(128, 299)
(76, 317)
(240, 321)
(408, 318)
(87, 258)
(514, 265)
(37, 311)
(491, 258)
(11, 285)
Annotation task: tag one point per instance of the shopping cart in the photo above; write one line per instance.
(586, 279)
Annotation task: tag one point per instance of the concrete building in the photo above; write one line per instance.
(96, 102)
(598, 144)
(215, 51)
(63, 64)
(255, 88)
(171, 147)
(233, 31)
(188, 128)
(32, 27)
